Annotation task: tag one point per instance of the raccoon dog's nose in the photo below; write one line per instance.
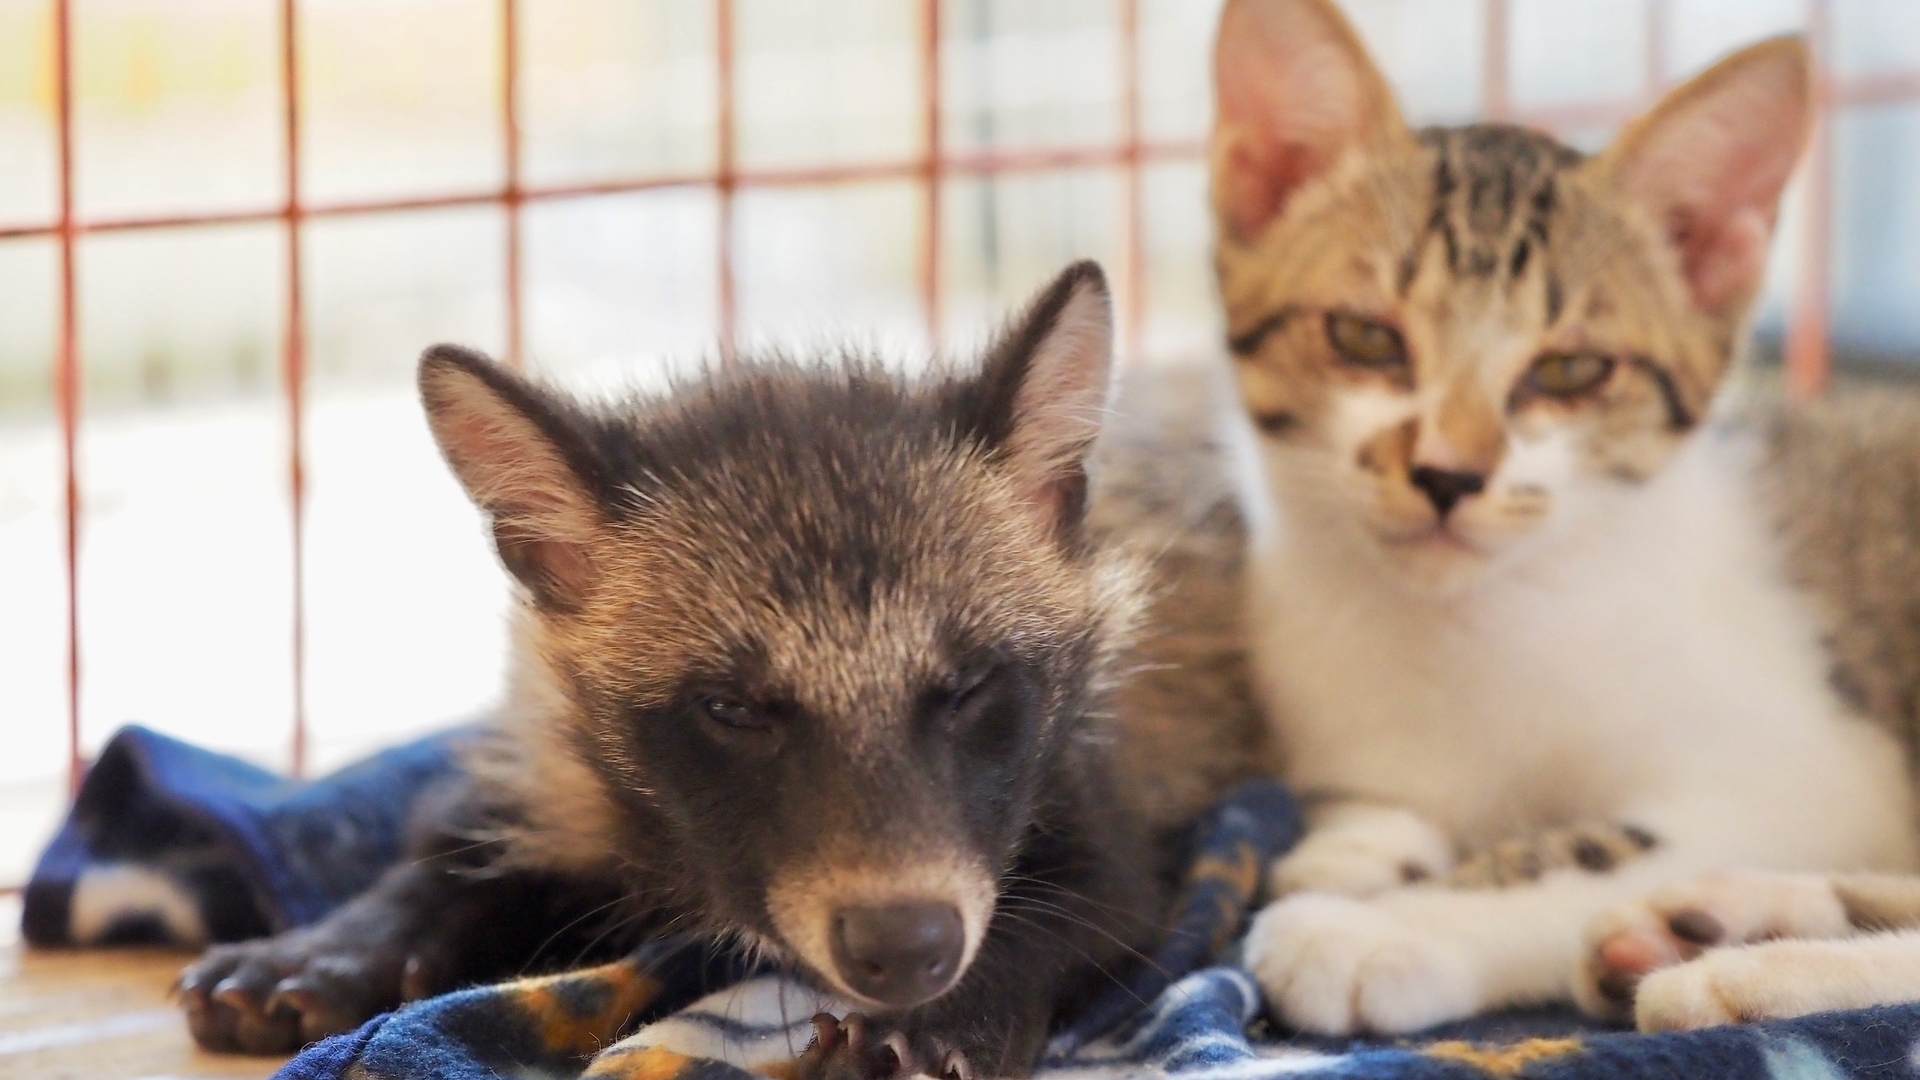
(901, 954)
(1446, 487)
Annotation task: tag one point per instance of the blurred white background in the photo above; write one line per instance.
(185, 550)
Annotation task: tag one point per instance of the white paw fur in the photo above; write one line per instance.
(1744, 907)
(1690, 995)
(1779, 979)
(1363, 852)
(1751, 905)
(1337, 966)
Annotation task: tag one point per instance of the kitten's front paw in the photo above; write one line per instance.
(1770, 981)
(1678, 922)
(1337, 966)
(1386, 850)
(859, 1048)
(275, 995)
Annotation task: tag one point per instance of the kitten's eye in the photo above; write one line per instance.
(1368, 343)
(733, 713)
(1569, 374)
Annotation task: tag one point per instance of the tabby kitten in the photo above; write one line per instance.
(1511, 569)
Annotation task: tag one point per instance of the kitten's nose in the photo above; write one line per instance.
(1446, 487)
(900, 955)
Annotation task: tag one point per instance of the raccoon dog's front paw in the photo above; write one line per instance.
(1337, 966)
(858, 1048)
(275, 995)
(1678, 922)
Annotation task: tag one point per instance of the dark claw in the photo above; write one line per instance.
(855, 1027)
(211, 1025)
(189, 989)
(294, 995)
(1618, 986)
(414, 980)
(953, 1064)
(828, 1049)
(905, 1063)
(275, 1032)
(233, 994)
(1696, 927)
(1592, 855)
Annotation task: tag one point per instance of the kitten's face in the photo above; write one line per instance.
(1459, 342)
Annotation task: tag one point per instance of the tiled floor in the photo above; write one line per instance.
(98, 1016)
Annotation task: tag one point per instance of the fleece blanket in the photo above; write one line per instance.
(170, 843)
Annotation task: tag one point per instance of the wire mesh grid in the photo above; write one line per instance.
(930, 170)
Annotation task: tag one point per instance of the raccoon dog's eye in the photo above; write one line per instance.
(1568, 374)
(957, 692)
(733, 713)
(1364, 342)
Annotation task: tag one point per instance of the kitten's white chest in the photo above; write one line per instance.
(1648, 659)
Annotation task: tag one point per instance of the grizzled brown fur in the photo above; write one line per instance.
(831, 663)
(1188, 725)
(1844, 474)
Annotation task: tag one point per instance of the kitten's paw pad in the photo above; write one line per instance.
(1337, 966)
(275, 995)
(1678, 922)
(858, 1048)
(1387, 853)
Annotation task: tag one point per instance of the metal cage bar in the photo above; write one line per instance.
(930, 168)
(293, 369)
(726, 178)
(1807, 349)
(67, 372)
(511, 197)
(1658, 15)
(1496, 99)
(1133, 213)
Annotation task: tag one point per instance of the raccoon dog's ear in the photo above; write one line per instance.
(1045, 390)
(517, 450)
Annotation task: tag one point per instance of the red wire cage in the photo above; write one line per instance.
(1807, 359)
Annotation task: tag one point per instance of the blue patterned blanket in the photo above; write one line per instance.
(186, 844)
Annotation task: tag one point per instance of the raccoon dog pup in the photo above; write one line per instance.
(818, 658)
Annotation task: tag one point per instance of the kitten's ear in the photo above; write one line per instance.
(1045, 389)
(518, 452)
(1294, 92)
(1709, 163)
